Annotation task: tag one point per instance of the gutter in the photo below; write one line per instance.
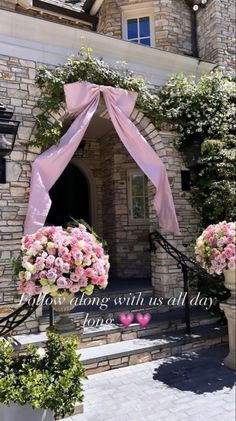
(61, 11)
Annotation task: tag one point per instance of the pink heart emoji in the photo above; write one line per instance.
(126, 318)
(143, 319)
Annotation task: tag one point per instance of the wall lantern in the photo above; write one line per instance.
(198, 4)
(8, 132)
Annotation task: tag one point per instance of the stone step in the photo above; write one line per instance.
(152, 347)
(111, 310)
(162, 322)
(110, 333)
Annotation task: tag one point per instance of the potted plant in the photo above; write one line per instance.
(215, 251)
(42, 384)
(61, 262)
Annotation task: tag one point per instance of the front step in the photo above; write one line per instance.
(137, 351)
(109, 333)
(128, 302)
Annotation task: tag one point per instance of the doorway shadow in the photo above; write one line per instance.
(198, 372)
(70, 197)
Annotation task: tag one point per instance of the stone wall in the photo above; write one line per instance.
(18, 91)
(127, 240)
(173, 26)
(216, 33)
(172, 23)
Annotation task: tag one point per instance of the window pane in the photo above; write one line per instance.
(145, 41)
(138, 208)
(144, 27)
(132, 27)
(137, 185)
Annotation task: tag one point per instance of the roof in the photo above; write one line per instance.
(75, 5)
(70, 8)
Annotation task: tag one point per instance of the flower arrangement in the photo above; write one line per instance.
(56, 261)
(49, 378)
(215, 248)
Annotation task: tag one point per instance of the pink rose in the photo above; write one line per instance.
(51, 275)
(50, 261)
(83, 282)
(59, 262)
(74, 288)
(62, 282)
(74, 277)
(66, 267)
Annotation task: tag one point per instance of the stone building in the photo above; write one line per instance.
(156, 38)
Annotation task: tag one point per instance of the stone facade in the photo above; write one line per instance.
(216, 33)
(173, 27)
(105, 160)
(172, 23)
(128, 240)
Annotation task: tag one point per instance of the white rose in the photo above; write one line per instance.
(27, 275)
(29, 267)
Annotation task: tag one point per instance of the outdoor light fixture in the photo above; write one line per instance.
(198, 4)
(8, 132)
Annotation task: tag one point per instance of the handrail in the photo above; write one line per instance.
(184, 262)
(17, 317)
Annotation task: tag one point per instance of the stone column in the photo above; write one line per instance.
(230, 312)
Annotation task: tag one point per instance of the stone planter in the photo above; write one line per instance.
(229, 308)
(63, 307)
(16, 412)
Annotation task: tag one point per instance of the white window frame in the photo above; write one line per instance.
(136, 11)
(130, 198)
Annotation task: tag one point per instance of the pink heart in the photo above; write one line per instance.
(126, 318)
(143, 319)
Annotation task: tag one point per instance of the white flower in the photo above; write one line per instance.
(29, 267)
(41, 352)
(27, 275)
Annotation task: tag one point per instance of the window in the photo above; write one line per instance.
(138, 23)
(138, 196)
(138, 30)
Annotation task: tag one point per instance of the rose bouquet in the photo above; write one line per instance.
(56, 261)
(215, 248)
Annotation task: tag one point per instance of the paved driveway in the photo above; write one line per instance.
(193, 387)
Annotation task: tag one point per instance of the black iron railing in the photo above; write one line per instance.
(17, 317)
(185, 263)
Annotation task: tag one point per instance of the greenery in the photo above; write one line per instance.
(47, 378)
(213, 193)
(203, 109)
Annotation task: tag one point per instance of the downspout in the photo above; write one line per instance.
(194, 37)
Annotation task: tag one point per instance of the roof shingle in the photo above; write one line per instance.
(67, 4)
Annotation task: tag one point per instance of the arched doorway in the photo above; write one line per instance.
(70, 197)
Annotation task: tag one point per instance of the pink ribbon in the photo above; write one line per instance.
(83, 98)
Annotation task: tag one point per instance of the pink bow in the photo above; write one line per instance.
(83, 98)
